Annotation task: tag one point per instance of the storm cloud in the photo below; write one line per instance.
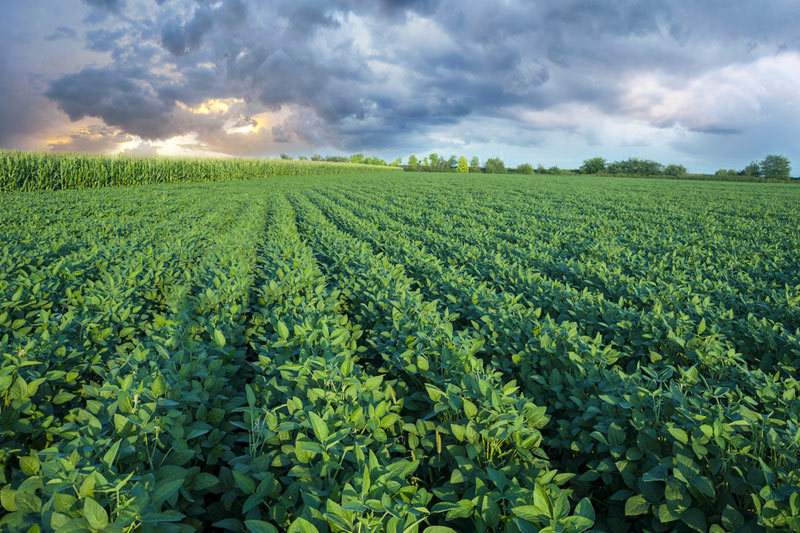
(120, 97)
(183, 38)
(439, 74)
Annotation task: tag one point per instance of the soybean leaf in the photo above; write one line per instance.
(319, 426)
(94, 513)
(259, 526)
(301, 525)
(695, 519)
(636, 505)
(219, 338)
(165, 489)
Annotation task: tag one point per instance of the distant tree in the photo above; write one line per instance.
(337, 158)
(775, 166)
(554, 170)
(540, 169)
(302, 158)
(475, 164)
(316, 157)
(434, 159)
(452, 161)
(675, 170)
(285, 156)
(752, 170)
(635, 167)
(463, 165)
(525, 168)
(649, 168)
(593, 165)
(495, 165)
(724, 172)
(397, 162)
(357, 158)
(413, 162)
(425, 162)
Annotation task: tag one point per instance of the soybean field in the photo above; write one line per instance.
(401, 352)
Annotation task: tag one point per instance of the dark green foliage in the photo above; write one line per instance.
(752, 170)
(674, 169)
(593, 165)
(525, 168)
(723, 172)
(635, 167)
(495, 165)
(436, 353)
(775, 167)
(375, 161)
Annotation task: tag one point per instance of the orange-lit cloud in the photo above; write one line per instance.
(255, 124)
(214, 105)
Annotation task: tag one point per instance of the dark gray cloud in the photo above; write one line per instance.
(371, 75)
(183, 38)
(22, 110)
(122, 98)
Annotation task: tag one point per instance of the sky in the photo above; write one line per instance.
(709, 84)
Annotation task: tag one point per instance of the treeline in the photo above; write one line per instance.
(356, 159)
(438, 163)
(495, 165)
(771, 168)
(631, 167)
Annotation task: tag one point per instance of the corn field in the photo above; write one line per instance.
(38, 171)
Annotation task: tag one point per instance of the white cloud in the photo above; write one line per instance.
(733, 97)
